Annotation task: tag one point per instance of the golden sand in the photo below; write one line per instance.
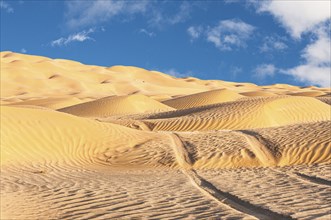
(91, 142)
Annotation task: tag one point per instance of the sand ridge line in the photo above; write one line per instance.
(223, 198)
(258, 146)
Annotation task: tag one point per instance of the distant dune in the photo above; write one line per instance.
(201, 99)
(90, 142)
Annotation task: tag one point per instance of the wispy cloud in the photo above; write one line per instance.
(84, 13)
(272, 43)
(195, 32)
(297, 16)
(264, 70)
(226, 36)
(175, 73)
(6, 6)
(159, 18)
(77, 37)
(146, 32)
(23, 50)
(235, 70)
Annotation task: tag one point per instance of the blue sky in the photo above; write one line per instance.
(262, 42)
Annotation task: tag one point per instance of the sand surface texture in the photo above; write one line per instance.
(90, 142)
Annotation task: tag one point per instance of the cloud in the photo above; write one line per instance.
(82, 14)
(6, 6)
(271, 43)
(316, 68)
(226, 36)
(301, 18)
(78, 37)
(146, 32)
(297, 17)
(235, 70)
(175, 73)
(319, 52)
(229, 34)
(158, 18)
(195, 32)
(23, 50)
(311, 74)
(264, 70)
(85, 13)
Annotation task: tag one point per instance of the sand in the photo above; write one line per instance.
(90, 142)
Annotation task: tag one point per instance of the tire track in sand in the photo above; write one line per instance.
(267, 158)
(185, 163)
(258, 147)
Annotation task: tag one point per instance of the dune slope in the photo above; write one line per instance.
(243, 114)
(204, 98)
(116, 105)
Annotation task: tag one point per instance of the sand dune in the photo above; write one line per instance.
(71, 140)
(45, 77)
(53, 103)
(116, 105)
(242, 114)
(326, 100)
(201, 99)
(61, 138)
(89, 142)
(257, 93)
(308, 93)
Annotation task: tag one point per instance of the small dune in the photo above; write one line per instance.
(116, 105)
(52, 103)
(243, 114)
(201, 99)
(308, 93)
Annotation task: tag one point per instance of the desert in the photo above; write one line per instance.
(91, 142)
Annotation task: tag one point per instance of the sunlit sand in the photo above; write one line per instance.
(92, 142)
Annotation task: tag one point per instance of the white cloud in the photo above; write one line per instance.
(264, 70)
(306, 17)
(229, 34)
(317, 66)
(195, 32)
(80, 14)
(319, 52)
(271, 43)
(148, 33)
(6, 6)
(158, 18)
(297, 16)
(85, 13)
(311, 74)
(79, 37)
(23, 50)
(175, 73)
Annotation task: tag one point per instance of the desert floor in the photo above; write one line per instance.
(90, 142)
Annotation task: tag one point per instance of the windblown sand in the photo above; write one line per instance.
(91, 142)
